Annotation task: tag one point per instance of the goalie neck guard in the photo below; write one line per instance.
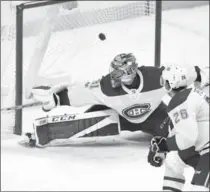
(123, 69)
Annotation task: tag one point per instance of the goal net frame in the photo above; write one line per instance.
(19, 48)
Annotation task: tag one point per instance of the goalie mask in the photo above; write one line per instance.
(123, 69)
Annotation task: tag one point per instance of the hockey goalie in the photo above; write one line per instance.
(129, 98)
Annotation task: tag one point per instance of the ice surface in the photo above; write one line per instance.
(114, 163)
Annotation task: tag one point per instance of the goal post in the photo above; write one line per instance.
(158, 21)
(19, 68)
(72, 36)
(37, 57)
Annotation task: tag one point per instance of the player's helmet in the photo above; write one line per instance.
(172, 78)
(123, 69)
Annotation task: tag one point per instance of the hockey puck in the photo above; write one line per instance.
(101, 36)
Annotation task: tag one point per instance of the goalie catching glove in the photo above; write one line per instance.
(50, 97)
(157, 151)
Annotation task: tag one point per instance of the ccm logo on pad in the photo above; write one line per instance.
(137, 111)
(63, 118)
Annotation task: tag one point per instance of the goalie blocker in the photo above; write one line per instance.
(61, 128)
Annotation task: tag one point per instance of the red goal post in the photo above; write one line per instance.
(60, 17)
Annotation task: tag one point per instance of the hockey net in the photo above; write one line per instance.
(61, 41)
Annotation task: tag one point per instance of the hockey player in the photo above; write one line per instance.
(189, 111)
(133, 93)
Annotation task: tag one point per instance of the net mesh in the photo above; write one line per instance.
(73, 48)
(7, 65)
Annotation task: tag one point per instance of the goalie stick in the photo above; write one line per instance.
(18, 107)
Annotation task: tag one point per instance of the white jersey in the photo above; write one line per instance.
(189, 112)
(134, 103)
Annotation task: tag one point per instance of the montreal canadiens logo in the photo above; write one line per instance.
(137, 111)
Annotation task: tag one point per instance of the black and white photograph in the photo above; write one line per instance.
(105, 95)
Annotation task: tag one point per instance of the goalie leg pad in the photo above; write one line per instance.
(71, 126)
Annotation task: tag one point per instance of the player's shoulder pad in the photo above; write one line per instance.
(151, 76)
(179, 98)
(107, 88)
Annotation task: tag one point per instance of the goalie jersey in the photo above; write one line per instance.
(134, 103)
(189, 112)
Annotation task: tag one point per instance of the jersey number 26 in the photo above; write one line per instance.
(182, 114)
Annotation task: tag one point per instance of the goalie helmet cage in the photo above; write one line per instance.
(17, 129)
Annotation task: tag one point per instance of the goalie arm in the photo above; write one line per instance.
(88, 93)
(77, 95)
